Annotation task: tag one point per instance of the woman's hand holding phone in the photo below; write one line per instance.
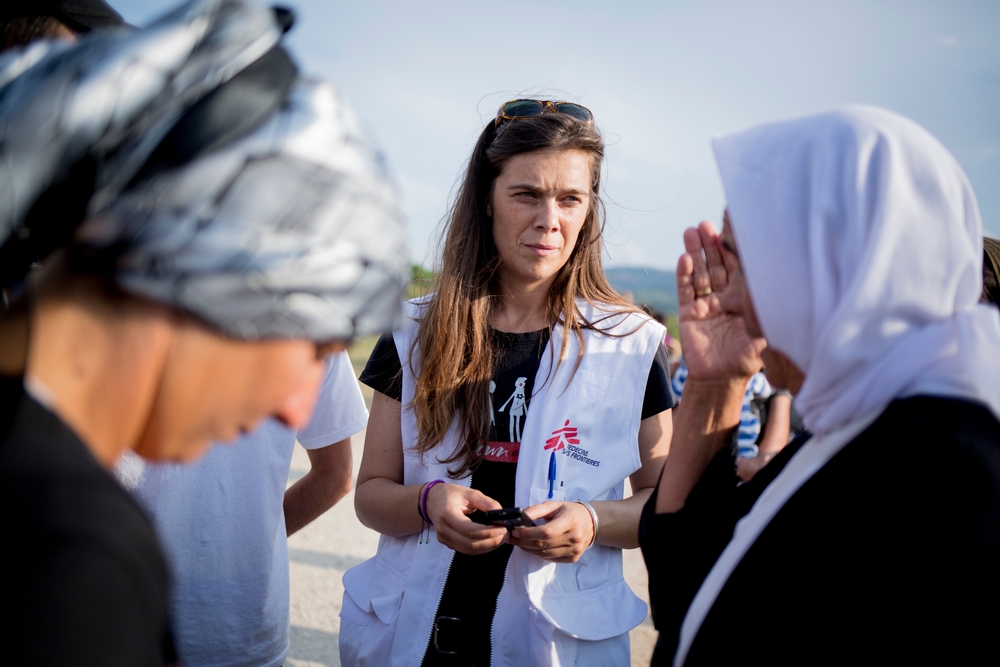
(568, 531)
(448, 506)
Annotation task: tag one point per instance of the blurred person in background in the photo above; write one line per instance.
(765, 421)
(216, 227)
(224, 522)
(24, 21)
(668, 341)
(775, 415)
(524, 382)
(850, 267)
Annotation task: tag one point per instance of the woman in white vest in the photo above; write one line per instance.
(524, 381)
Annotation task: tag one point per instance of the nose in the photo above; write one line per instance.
(548, 217)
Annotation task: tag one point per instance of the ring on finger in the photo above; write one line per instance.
(703, 292)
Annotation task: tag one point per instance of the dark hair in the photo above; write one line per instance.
(991, 265)
(453, 334)
(23, 30)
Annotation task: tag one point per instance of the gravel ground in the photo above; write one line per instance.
(323, 550)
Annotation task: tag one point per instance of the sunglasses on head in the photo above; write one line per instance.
(521, 109)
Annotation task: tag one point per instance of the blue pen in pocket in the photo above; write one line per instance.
(552, 474)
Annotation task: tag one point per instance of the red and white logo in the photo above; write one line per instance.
(566, 441)
(567, 435)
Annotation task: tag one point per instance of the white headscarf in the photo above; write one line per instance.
(862, 247)
(861, 243)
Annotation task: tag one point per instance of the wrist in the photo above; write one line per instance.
(714, 386)
(711, 406)
(427, 502)
(420, 498)
(596, 521)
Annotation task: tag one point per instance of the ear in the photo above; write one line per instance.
(489, 211)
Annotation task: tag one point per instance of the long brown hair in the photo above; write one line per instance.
(454, 337)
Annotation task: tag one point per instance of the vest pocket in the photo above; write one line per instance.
(375, 590)
(373, 594)
(594, 614)
(537, 496)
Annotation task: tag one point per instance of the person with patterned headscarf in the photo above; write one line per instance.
(211, 226)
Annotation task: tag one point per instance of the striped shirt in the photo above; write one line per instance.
(749, 430)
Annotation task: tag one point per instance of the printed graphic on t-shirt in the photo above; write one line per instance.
(493, 421)
(518, 409)
(507, 417)
(502, 452)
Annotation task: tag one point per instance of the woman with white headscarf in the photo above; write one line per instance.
(211, 226)
(850, 265)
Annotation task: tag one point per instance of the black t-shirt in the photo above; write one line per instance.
(383, 371)
(84, 580)
(474, 582)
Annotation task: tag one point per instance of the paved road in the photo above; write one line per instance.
(322, 551)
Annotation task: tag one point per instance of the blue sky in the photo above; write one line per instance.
(661, 77)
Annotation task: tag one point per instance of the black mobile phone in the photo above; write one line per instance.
(480, 516)
(512, 517)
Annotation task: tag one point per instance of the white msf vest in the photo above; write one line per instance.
(547, 613)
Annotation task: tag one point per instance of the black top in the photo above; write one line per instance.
(84, 580)
(889, 553)
(474, 582)
(383, 371)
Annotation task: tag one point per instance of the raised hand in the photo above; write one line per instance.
(710, 291)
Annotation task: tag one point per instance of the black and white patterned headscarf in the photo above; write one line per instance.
(208, 175)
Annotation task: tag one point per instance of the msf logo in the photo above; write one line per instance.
(567, 435)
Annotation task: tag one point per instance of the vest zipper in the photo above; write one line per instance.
(430, 635)
(493, 623)
(451, 560)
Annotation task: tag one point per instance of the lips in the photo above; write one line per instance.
(541, 248)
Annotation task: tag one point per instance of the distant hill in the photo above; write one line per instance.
(650, 286)
(654, 287)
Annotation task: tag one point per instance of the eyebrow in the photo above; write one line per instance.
(534, 186)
